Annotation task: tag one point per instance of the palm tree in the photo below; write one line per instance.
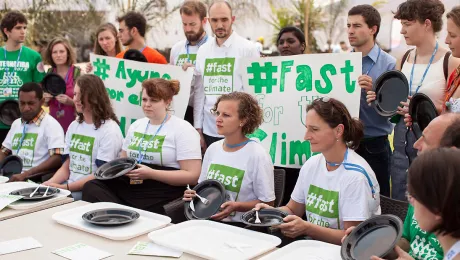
(294, 15)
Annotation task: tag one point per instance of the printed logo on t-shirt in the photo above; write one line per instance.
(27, 148)
(10, 79)
(81, 154)
(183, 59)
(423, 246)
(218, 76)
(322, 207)
(153, 147)
(230, 177)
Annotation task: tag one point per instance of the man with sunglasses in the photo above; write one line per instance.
(37, 138)
(443, 131)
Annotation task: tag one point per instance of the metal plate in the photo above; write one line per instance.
(38, 195)
(422, 111)
(375, 236)
(213, 191)
(115, 168)
(390, 88)
(268, 217)
(54, 84)
(110, 217)
(9, 112)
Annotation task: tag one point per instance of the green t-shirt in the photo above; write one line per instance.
(423, 245)
(29, 69)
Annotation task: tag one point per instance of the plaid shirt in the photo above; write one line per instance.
(37, 121)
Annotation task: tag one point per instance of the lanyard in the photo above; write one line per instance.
(187, 44)
(15, 65)
(141, 156)
(354, 167)
(453, 251)
(238, 145)
(374, 62)
(22, 137)
(424, 74)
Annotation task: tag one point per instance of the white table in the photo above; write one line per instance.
(8, 213)
(52, 236)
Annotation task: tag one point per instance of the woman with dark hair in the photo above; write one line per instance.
(61, 56)
(107, 42)
(432, 190)
(426, 67)
(238, 158)
(93, 139)
(336, 188)
(167, 149)
(291, 41)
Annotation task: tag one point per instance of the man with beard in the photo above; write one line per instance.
(18, 64)
(131, 34)
(193, 15)
(217, 63)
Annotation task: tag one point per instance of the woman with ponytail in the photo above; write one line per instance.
(336, 188)
(167, 149)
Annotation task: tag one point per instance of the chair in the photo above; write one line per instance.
(394, 207)
(175, 210)
(280, 180)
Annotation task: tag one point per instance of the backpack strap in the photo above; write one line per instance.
(446, 64)
(404, 58)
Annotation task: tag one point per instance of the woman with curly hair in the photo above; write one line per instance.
(240, 164)
(166, 148)
(93, 139)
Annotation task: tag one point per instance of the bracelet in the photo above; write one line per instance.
(68, 187)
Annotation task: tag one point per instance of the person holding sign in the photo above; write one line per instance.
(61, 56)
(291, 41)
(106, 44)
(336, 188)
(217, 63)
(363, 27)
(426, 67)
(131, 34)
(93, 139)
(193, 15)
(36, 137)
(237, 158)
(167, 150)
(18, 64)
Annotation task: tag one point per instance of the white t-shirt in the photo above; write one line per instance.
(332, 197)
(218, 68)
(85, 145)
(247, 174)
(179, 56)
(37, 142)
(177, 140)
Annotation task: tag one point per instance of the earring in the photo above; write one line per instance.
(241, 124)
(337, 139)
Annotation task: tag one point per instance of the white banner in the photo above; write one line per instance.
(123, 79)
(285, 86)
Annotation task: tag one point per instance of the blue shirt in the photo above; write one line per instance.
(374, 124)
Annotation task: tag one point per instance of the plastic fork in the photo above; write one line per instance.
(33, 193)
(257, 218)
(203, 200)
(46, 191)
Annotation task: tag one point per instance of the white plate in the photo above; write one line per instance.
(26, 205)
(3, 179)
(208, 239)
(306, 250)
(147, 221)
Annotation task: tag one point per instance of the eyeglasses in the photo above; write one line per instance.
(323, 99)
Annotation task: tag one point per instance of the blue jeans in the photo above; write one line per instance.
(377, 152)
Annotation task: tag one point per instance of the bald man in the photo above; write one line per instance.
(217, 63)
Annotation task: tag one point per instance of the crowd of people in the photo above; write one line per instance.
(334, 190)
